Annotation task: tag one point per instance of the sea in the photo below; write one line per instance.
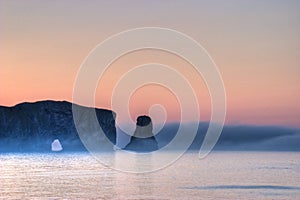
(220, 175)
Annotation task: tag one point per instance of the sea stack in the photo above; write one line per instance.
(143, 139)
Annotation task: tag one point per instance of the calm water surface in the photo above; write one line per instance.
(230, 175)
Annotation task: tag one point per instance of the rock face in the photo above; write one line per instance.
(143, 139)
(34, 126)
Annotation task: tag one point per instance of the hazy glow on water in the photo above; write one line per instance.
(231, 175)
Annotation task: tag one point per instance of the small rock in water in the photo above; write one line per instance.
(56, 146)
(143, 139)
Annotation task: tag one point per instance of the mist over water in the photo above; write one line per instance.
(233, 138)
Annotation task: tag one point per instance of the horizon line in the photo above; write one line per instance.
(171, 122)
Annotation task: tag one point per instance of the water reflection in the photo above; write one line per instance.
(81, 176)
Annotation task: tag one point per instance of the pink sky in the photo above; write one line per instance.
(255, 45)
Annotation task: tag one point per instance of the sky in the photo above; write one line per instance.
(255, 44)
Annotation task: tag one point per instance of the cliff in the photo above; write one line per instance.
(34, 126)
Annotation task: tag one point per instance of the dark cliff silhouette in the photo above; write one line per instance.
(34, 126)
(143, 139)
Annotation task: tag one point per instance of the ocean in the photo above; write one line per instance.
(221, 175)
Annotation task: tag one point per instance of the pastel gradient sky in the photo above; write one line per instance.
(255, 44)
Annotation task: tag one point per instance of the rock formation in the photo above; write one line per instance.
(56, 145)
(143, 139)
(34, 126)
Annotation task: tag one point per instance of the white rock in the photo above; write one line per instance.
(56, 146)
